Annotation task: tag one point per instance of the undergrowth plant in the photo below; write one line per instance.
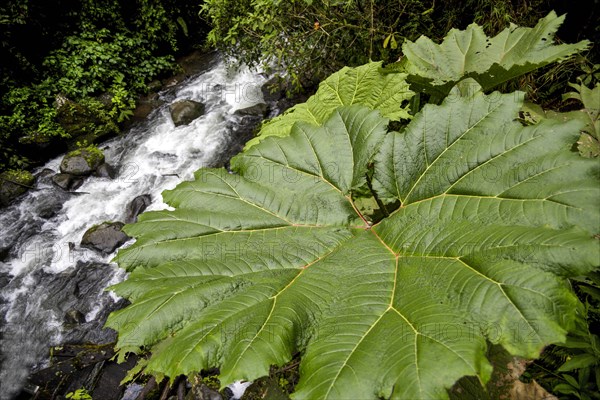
(389, 260)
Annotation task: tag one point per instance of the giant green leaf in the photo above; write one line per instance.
(490, 61)
(253, 267)
(365, 85)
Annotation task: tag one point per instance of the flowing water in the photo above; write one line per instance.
(46, 274)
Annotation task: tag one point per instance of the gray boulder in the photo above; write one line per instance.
(259, 110)
(136, 207)
(67, 182)
(74, 317)
(185, 111)
(105, 171)
(105, 237)
(82, 162)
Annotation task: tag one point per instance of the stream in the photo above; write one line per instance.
(44, 272)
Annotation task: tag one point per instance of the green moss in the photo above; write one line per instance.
(92, 155)
(212, 382)
(18, 176)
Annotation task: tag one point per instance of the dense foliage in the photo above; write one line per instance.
(478, 220)
(73, 52)
(311, 39)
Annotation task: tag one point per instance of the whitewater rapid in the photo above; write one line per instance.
(47, 272)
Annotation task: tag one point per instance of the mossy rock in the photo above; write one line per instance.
(79, 120)
(82, 162)
(14, 183)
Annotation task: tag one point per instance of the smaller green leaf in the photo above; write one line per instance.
(571, 380)
(183, 25)
(386, 41)
(394, 44)
(579, 361)
(576, 343)
(565, 389)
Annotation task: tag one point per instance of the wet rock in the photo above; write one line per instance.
(185, 111)
(238, 135)
(67, 182)
(81, 289)
(49, 210)
(44, 174)
(105, 171)
(13, 184)
(197, 62)
(74, 317)
(106, 99)
(132, 391)
(203, 392)
(259, 110)
(136, 207)
(108, 385)
(82, 162)
(144, 107)
(4, 278)
(70, 366)
(504, 383)
(105, 237)
(63, 181)
(73, 367)
(286, 103)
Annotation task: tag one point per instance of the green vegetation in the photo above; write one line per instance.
(477, 221)
(18, 176)
(92, 61)
(79, 394)
(312, 39)
(572, 370)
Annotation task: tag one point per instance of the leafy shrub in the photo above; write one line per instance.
(109, 47)
(94, 61)
(315, 38)
(481, 222)
(312, 39)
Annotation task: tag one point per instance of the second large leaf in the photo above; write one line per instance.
(254, 267)
(491, 61)
(366, 85)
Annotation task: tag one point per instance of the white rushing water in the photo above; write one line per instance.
(47, 272)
